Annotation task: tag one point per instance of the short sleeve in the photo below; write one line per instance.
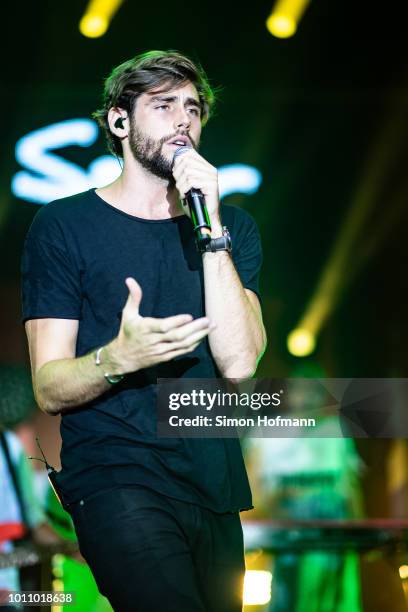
(50, 282)
(247, 251)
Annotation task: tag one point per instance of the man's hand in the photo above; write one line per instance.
(62, 382)
(146, 341)
(190, 171)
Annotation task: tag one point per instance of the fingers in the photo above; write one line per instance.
(187, 330)
(149, 340)
(184, 185)
(167, 356)
(196, 178)
(193, 171)
(191, 157)
(167, 324)
(185, 344)
(188, 342)
(135, 295)
(181, 338)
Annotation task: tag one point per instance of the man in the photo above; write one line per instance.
(157, 519)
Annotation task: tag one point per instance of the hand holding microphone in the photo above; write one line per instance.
(195, 201)
(197, 183)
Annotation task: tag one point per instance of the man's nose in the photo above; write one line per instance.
(182, 119)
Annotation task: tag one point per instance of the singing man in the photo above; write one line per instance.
(116, 294)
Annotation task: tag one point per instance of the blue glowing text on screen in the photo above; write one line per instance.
(48, 176)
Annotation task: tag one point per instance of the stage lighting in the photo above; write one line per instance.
(285, 17)
(358, 237)
(93, 26)
(403, 572)
(281, 26)
(301, 342)
(98, 16)
(257, 587)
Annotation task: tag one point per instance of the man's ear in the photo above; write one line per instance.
(118, 123)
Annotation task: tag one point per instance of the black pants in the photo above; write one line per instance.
(151, 553)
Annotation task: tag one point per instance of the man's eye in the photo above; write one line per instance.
(194, 110)
(163, 106)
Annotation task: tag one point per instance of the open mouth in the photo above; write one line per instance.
(180, 141)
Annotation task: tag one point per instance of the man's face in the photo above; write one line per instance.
(159, 117)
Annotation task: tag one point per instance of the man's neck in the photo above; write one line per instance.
(140, 193)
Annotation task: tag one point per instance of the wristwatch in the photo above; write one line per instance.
(223, 243)
(111, 378)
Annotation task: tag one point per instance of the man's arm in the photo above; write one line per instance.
(62, 381)
(239, 340)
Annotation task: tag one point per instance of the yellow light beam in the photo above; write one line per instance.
(341, 265)
(98, 16)
(285, 17)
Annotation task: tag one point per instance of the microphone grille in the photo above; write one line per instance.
(181, 150)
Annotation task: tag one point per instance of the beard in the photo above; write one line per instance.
(148, 152)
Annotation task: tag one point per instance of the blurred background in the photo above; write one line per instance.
(311, 137)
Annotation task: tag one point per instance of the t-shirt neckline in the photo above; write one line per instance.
(98, 198)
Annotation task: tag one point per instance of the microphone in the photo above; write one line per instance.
(198, 210)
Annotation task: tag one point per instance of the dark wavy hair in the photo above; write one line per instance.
(144, 73)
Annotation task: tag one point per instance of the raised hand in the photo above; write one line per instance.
(147, 341)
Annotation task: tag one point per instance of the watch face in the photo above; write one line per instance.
(223, 243)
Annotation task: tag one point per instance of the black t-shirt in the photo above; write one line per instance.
(77, 255)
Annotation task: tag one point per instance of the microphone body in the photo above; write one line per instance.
(196, 203)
